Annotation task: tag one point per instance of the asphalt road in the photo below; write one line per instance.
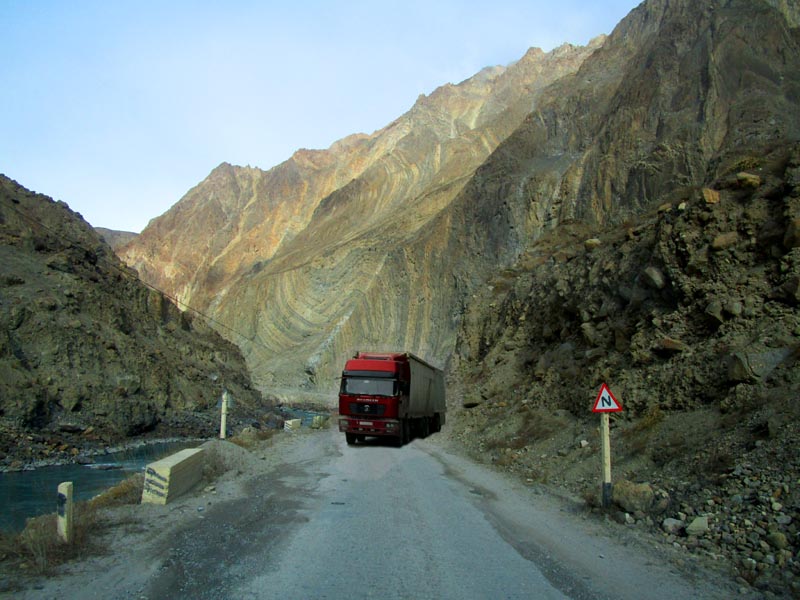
(375, 521)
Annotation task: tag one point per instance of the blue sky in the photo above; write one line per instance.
(120, 107)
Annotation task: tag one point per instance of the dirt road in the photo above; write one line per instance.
(318, 519)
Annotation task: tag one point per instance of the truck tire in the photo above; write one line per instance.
(403, 438)
(351, 438)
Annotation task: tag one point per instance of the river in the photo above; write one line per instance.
(26, 494)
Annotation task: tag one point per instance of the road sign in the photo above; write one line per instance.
(606, 403)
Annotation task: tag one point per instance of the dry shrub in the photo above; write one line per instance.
(213, 466)
(538, 424)
(39, 543)
(591, 496)
(506, 459)
(128, 491)
(747, 163)
(243, 442)
(717, 462)
(639, 436)
(647, 423)
(250, 437)
(671, 447)
(39, 548)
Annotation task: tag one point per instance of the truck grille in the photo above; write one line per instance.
(375, 410)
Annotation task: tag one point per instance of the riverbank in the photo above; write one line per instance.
(88, 456)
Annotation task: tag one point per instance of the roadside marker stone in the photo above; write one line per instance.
(64, 512)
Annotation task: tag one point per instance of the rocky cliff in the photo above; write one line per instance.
(662, 260)
(88, 354)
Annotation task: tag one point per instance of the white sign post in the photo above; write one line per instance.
(604, 404)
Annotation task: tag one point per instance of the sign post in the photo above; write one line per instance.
(604, 404)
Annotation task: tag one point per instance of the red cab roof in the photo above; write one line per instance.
(371, 364)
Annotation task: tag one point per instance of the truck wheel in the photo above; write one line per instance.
(437, 423)
(402, 439)
(351, 438)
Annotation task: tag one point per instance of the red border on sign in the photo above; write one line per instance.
(596, 409)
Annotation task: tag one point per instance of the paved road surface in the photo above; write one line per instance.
(375, 521)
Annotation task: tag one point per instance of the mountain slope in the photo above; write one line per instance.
(87, 348)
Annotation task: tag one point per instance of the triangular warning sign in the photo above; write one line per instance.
(606, 402)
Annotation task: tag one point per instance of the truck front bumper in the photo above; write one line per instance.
(369, 426)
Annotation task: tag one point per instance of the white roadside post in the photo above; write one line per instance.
(64, 512)
(604, 404)
(223, 421)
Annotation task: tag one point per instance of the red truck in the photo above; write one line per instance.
(394, 394)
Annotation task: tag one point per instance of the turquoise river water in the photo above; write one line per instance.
(26, 494)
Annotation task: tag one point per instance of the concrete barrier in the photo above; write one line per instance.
(168, 478)
(319, 421)
(291, 424)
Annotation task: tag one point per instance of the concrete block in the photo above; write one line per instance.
(291, 424)
(168, 478)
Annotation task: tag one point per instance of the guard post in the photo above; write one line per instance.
(605, 404)
(223, 420)
(64, 512)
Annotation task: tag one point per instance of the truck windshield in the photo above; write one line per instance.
(360, 386)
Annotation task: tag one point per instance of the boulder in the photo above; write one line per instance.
(654, 278)
(633, 497)
(746, 366)
(592, 243)
(714, 310)
(792, 237)
(778, 540)
(699, 526)
(748, 180)
(668, 345)
(710, 196)
(725, 240)
(673, 526)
